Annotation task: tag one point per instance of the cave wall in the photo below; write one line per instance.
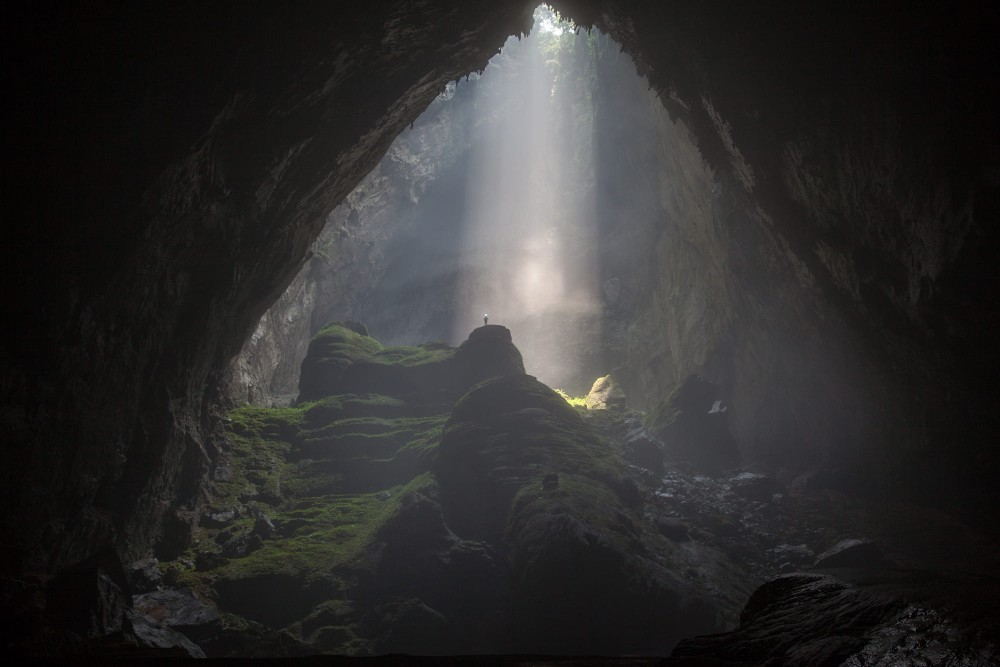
(857, 146)
(166, 170)
(172, 167)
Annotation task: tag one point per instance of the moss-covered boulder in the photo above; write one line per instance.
(335, 348)
(520, 469)
(692, 425)
(421, 374)
(507, 432)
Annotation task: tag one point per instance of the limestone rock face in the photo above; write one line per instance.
(692, 425)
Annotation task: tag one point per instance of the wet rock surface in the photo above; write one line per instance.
(871, 618)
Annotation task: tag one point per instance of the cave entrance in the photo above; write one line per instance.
(533, 192)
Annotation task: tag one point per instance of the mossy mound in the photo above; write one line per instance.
(691, 423)
(507, 432)
(342, 361)
(519, 468)
(335, 348)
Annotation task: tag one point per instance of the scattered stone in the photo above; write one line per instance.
(753, 486)
(154, 634)
(181, 610)
(218, 519)
(241, 545)
(852, 553)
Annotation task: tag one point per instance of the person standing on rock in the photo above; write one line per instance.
(486, 320)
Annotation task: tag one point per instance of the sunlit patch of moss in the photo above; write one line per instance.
(575, 401)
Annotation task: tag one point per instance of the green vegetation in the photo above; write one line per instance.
(575, 401)
(427, 353)
(336, 342)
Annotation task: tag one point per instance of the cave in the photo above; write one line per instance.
(793, 267)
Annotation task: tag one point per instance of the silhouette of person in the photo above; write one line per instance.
(486, 320)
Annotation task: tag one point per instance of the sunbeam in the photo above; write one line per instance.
(530, 204)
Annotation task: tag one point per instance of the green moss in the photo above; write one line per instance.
(259, 439)
(340, 341)
(537, 513)
(331, 351)
(517, 423)
(324, 533)
(575, 401)
(428, 353)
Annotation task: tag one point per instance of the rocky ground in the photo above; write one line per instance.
(438, 501)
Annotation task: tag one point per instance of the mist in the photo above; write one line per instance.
(509, 228)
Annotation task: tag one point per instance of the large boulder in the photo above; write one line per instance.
(154, 634)
(181, 610)
(331, 352)
(605, 393)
